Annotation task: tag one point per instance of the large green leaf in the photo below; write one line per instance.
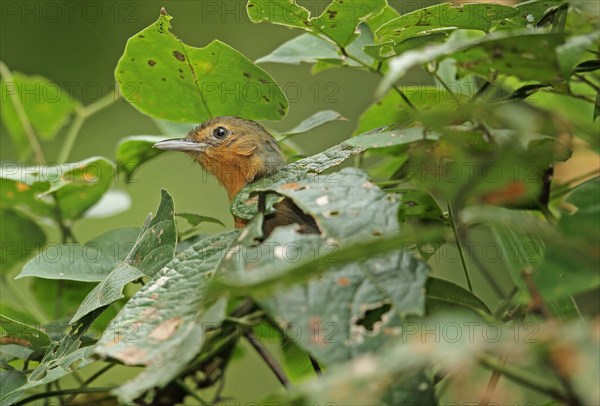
(90, 262)
(165, 78)
(19, 236)
(45, 104)
(337, 22)
(153, 248)
(73, 188)
(10, 381)
(445, 16)
(366, 289)
(164, 324)
(524, 55)
(135, 150)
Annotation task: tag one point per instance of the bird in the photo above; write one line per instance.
(238, 152)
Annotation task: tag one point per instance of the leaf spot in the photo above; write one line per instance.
(151, 62)
(179, 56)
(322, 201)
(166, 329)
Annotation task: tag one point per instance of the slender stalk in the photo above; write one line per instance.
(568, 187)
(492, 383)
(267, 357)
(587, 81)
(378, 71)
(521, 377)
(91, 379)
(23, 119)
(459, 246)
(82, 114)
(49, 394)
(315, 365)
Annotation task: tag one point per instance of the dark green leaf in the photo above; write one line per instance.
(90, 262)
(46, 106)
(338, 21)
(415, 203)
(443, 296)
(10, 381)
(165, 78)
(153, 248)
(15, 332)
(480, 16)
(19, 236)
(135, 150)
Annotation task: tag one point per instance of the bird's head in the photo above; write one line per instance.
(235, 150)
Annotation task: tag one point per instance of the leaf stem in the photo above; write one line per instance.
(267, 357)
(81, 115)
(521, 377)
(188, 391)
(23, 119)
(459, 246)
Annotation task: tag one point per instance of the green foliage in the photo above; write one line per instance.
(459, 161)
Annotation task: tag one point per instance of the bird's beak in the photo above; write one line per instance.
(180, 144)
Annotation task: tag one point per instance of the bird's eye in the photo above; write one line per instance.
(220, 132)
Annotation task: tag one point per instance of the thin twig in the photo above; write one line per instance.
(267, 357)
(315, 365)
(492, 383)
(459, 246)
(522, 378)
(538, 302)
(23, 119)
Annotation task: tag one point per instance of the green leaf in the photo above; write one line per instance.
(74, 187)
(309, 48)
(571, 52)
(195, 221)
(90, 262)
(385, 137)
(316, 120)
(338, 21)
(163, 326)
(174, 129)
(71, 293)
(303, 48)
(153, 249)
(388, 14)
(45, 104)
(244, 205)
(167, 79)
(415, 203)
(282, 12)
(15, 332)
(10, 381)
(135, 150)
(443, 296)
(19, 236)
(518, 54)
(570, 265)
(480, 16)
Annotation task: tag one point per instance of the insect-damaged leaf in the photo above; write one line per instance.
(167, 79)
(164, 324)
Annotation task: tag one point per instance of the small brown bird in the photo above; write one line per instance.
(238, 152)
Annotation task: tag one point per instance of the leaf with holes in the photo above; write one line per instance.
(167, 79)
(164, 324)
(244, 205)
